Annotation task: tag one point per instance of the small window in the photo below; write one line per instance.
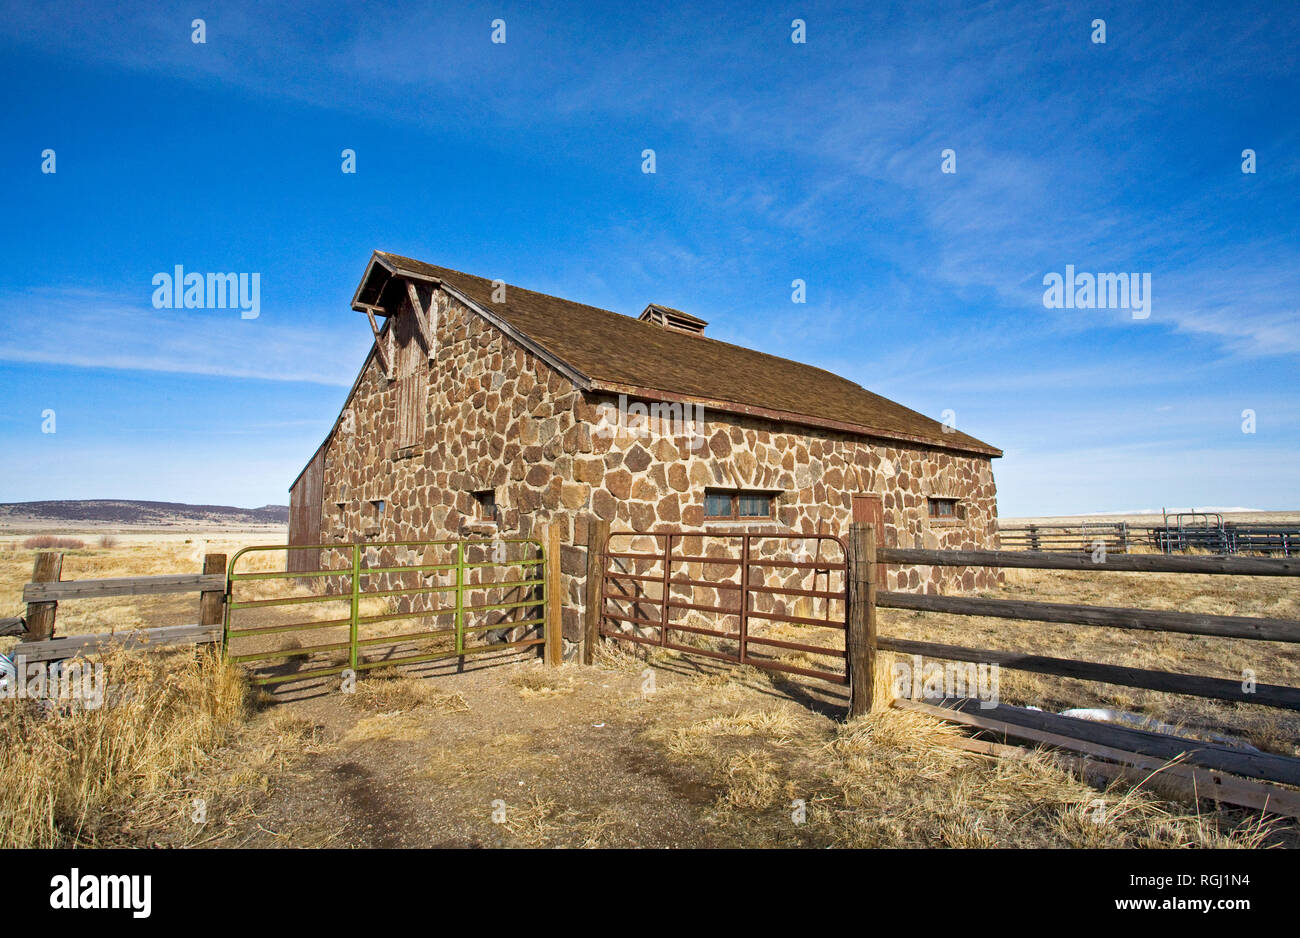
(943, 508)
(377, 505)
(737, 506)
(487, 505)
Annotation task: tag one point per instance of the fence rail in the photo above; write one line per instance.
(48, 589)
(534, 587)
(1073, 538)
(619, 606)
(1243, 627)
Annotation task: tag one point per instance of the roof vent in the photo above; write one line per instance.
(671, 318)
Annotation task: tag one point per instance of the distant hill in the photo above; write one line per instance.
(125, 511)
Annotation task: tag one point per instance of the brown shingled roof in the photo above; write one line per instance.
(619, 353)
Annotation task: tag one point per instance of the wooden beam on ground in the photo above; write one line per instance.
(1195, 685)
(71, 646)
(1186, 782)
(1138, 563)
(41, 592)
(13, 626)
(1107, 741)
(597, 535)
(1153, 620)
(40, 612)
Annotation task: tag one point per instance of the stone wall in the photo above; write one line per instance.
(496, 417)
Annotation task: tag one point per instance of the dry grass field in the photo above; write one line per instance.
(658, 751)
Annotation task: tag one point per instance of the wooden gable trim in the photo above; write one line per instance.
(385, 358)
(428, 329)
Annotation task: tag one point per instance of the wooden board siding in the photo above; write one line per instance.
(305, 514)
(410, 410)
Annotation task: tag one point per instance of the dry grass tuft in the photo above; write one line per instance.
(529, 822)
(542, 682)
(50, 542)
(388, 690)
(62, 769)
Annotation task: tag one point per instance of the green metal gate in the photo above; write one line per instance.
(452, 598)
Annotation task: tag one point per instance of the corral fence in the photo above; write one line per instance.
(636, 593)
(1182, 532)
(1207, 531)
(371, 605)
(1078, 538)
(47, 589)
(383, 604)
(745, 598)
(1253, 764)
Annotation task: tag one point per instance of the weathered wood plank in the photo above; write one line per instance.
(861, 634)
(1270, 695)
(124, 586)
(1138, 563)
(1109, 741)
(40, 613)
(385, 360)
(1191, 783)
(72, 645)
(597, 535)
(554, 646)
(1153, 620)
(13, 626)
(212, 603)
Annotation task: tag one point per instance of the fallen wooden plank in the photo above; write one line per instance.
(13, 626)
(1187, 782)
(123, 586)
(1140, 563)
(1115, 742)
(1195, 685)
(1154, 620)
(70, 646)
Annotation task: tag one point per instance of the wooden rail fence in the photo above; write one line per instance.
(47, 589)
(1125, 750)
(1241, 627)
(1077, 538)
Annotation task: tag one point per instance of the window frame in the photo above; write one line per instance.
(736, 495)
(932, 501)
(481, 503)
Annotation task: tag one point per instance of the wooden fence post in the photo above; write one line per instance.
(554, 598)
(597, 536)
(863, 575)
(40, 616)
(212, 602)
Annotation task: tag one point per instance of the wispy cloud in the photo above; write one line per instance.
(83, 329)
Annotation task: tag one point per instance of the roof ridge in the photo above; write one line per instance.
(638, 322)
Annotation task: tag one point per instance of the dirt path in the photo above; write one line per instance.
(555, 755)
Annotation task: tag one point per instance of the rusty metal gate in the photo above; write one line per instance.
(373, 605)
(762, 589)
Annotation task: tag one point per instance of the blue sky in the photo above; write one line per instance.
(775, 161)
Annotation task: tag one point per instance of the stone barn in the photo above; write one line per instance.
(484, 409)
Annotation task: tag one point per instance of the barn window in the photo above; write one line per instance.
(722, 505)
(487, 505)
(943, 508)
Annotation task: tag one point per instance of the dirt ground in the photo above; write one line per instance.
(505, 753)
